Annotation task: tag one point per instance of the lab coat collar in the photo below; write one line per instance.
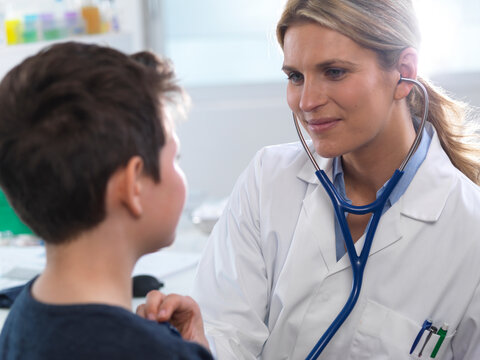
(423, 200)
(317, 220)
(307, 172)
(427, 194)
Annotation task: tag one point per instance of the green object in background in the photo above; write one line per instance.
(52, 34)
(29, 36)
(30, 33)
(9, 221)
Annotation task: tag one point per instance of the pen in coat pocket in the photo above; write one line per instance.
(442, 333)
(432, 330)
(426, 325)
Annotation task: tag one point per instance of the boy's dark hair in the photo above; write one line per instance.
(71, 116)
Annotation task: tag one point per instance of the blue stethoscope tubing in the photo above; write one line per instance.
(341, 206)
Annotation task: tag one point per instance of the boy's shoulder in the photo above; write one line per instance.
(35, 330)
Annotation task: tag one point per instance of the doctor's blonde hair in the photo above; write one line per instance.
(388, 27)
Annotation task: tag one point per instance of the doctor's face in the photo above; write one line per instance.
(337, 89)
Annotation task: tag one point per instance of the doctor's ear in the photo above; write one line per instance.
(407, 67)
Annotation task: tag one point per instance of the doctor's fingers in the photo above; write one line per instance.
(150, 309)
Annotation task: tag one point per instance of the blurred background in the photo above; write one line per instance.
(226, 56)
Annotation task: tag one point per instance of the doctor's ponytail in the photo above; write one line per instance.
(458, 135)
(388, 27)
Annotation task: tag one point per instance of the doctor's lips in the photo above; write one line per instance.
(321, 124)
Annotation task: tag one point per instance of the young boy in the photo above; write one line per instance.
(87, 160)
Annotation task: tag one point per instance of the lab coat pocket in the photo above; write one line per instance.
(382, 334)
(427, 344)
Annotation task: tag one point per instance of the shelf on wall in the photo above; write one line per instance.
(11, 55)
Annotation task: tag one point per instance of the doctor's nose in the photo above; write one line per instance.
(313, 95)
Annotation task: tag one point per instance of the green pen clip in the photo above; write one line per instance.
(442, 332)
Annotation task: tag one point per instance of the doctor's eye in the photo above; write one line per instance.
(335, 73)
(295, 78)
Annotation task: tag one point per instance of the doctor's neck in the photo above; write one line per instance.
(371, 165)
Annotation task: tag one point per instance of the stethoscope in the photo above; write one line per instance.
(341, 206)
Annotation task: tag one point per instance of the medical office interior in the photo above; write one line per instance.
(226, 57)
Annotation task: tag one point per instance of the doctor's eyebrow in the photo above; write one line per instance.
(324, 65)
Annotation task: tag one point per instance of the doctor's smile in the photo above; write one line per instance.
(321, 125)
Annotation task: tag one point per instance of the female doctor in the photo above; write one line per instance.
(274, 274)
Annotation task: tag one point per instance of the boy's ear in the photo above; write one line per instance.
(132, 186)
(407, 67)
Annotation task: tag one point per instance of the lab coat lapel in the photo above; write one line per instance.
(388, 232)
(306, 264)
(423, 200)
(317, 218)
(427, 195)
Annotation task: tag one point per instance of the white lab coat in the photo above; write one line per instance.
(269, 284)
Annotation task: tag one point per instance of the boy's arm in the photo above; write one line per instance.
(181, 311)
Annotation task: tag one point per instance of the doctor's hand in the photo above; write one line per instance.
(180, 311)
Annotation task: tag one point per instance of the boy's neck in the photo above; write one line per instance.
(94, 268)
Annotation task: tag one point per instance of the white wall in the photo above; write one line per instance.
(463, 86)
(225, 127)
(131, 14)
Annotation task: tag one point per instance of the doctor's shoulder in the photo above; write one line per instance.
(461, 217)
(272, 177)
(463, 264)
(282, 158)
(466, 194)
(272, 170)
